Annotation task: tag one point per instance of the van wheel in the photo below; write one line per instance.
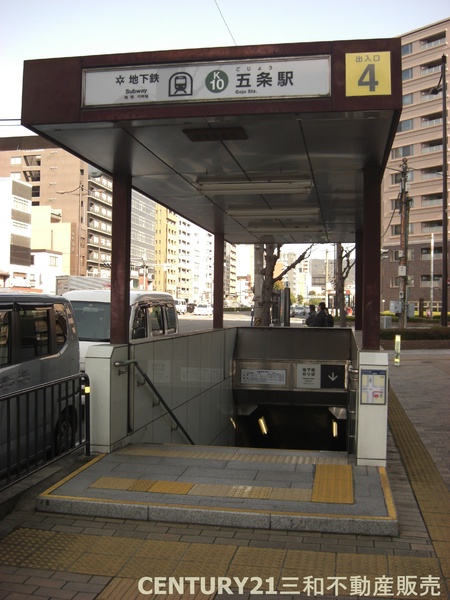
(64, 434)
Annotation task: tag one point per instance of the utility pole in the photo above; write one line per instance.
(405, 202)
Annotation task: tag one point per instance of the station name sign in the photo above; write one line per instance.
(304, 77)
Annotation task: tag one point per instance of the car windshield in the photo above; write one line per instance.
(93, 320)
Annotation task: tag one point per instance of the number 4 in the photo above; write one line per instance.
(368, 78)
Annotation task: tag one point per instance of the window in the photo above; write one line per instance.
(430, 69)
(406, 125)
(407, 49)
(431, 226)
(171, 318)
(32, 175)
(397, 177)
(403, 151)
(431, 120)
(16, 160)
(5, 338)
(62, 326)
(407, 99)
(425, 253)
(435, 40)
(425, 280)
(407, 74)
(397, 229)
(432, 173)
(432, 200)
(432, 146)
(34, 329)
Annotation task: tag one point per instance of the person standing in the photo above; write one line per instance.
(324, 319)
(311, 318)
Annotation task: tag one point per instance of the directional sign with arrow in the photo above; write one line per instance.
(314, 375)
(332, 376)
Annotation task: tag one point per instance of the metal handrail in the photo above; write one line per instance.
(34, 457)
(157, 394)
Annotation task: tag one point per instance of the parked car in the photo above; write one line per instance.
(151, 314)
(203, 309)
(298, 311)
(38, 345)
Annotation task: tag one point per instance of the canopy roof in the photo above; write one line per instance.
(258, 143)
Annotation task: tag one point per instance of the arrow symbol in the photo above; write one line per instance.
(333, 377)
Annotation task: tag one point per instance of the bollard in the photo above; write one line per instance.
(398, 341)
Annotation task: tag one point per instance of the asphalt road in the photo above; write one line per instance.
(189, 322)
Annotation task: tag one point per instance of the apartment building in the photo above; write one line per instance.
(15, 241)
(419, 141)
(59, 181)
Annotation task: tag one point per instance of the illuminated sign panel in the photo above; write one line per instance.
(223, 81)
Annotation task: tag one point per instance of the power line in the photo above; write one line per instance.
(226, 24)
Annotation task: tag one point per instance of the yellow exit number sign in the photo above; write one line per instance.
(368, 74)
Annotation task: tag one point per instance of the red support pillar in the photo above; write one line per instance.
(219, 246)
(120, 267)
(371, 259)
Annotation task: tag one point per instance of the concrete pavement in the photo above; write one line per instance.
(83, 556)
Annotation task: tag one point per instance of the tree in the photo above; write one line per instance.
(266, 258)
(344, 262)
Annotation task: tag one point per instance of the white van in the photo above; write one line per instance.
(151, 314)
(181, 306)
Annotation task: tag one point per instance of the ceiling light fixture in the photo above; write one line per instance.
(253, 187)
(288, 230)
(273, 213)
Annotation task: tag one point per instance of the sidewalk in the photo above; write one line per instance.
(48, 555)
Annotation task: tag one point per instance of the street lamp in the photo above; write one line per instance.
(442, 87)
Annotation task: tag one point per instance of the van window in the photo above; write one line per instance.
(93, 319)
(62, 326)
(139, 329)
(171, 315)
(34, 333)
(5, 337)
(156, 319)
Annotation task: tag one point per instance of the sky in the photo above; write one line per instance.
(60, 28)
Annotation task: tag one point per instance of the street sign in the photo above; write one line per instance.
(368, 74)
(314, 375)
(332, 376)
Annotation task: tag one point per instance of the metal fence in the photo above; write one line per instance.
(40, 424)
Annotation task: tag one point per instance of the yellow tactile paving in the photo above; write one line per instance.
(140, 567)
(333, 483)
(129, 559)
(270, 557)
(171, 487)
(107, 564)
(205, 489)
(162, 549)
(113, 483)
(252, 457)
(141, 485)
(429, 488)
(201, 552)
(312, 562)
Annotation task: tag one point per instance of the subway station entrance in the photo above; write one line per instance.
(257, 144)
